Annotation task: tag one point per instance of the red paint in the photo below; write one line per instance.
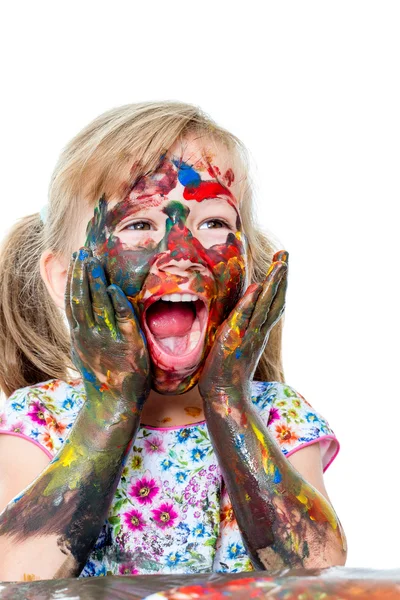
(229, 177)
(206, 190)
(213, 171)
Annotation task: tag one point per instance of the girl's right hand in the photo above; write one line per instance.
(108, 346)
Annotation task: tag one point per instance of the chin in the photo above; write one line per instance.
(173, 383)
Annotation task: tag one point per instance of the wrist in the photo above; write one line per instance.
(226, 395)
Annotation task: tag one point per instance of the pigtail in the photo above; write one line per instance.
(34, 342)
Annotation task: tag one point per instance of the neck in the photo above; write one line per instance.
(171, 411)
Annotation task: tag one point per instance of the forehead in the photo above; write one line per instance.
(211, 159)
(208, 159)
(187, 164)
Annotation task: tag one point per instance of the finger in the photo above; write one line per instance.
(125, 318)
(81, 304)
(101, 304)
(266, 297)
(67, 293)
(278, 304)
(240, 316)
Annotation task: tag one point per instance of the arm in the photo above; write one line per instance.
(284, 521)
(49, 530)
(308, 462)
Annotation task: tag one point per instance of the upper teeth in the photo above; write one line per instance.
(180, 298)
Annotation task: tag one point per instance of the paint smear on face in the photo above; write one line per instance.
(217, 278)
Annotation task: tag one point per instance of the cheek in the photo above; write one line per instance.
(125, 267)
(230, 274)
(211, 237)
(230, 268)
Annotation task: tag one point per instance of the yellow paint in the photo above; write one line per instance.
(30, 577)
(322, 505)
(268, 464)
(304, 500)
(226, 403)
(111, 327)
(270, 269)
(69, 456)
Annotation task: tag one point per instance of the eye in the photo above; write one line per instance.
(214, 224)
(139, 226)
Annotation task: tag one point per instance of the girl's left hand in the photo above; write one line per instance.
(242, 337)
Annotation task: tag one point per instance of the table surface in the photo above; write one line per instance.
(337, 583)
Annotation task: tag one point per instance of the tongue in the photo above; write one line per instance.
(169, 319)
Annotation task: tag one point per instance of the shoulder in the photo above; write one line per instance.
(292, 421)
(43, 413)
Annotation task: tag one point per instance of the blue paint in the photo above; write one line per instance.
(239, 441)
(88, 375)
(98, 272)
(187, 176)
(238, 353)
(277, 476)
(83, 254)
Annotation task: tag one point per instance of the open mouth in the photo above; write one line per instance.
(175, 327)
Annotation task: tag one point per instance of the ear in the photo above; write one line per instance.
(54, 274)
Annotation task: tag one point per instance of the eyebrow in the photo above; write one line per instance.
(209, 189)
(129, 207)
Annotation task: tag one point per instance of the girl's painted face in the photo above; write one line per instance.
(175, 247)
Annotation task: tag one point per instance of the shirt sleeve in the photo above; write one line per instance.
(42, 414)
(292, 421)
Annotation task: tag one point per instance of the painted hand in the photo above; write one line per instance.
(242, 337)
(108, 346)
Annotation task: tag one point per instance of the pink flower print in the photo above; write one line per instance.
(2, 420)
(18, 427)
(165, 515)
(134, 520)
(144, 490)
(128, 569)
(154, 445)
(36, 413)
(274, 415)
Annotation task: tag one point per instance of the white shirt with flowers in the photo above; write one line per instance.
(171, 512)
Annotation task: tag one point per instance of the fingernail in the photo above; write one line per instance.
(74, 255)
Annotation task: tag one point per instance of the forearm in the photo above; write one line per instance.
(65, 508)
(284, 521)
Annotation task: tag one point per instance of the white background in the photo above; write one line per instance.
(312, 88)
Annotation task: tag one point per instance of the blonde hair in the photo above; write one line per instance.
(106, 157)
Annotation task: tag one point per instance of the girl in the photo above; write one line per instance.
(167, 454)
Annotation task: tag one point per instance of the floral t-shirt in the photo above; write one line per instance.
(171, 512)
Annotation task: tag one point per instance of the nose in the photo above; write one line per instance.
(181, 253)
(182, 267)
